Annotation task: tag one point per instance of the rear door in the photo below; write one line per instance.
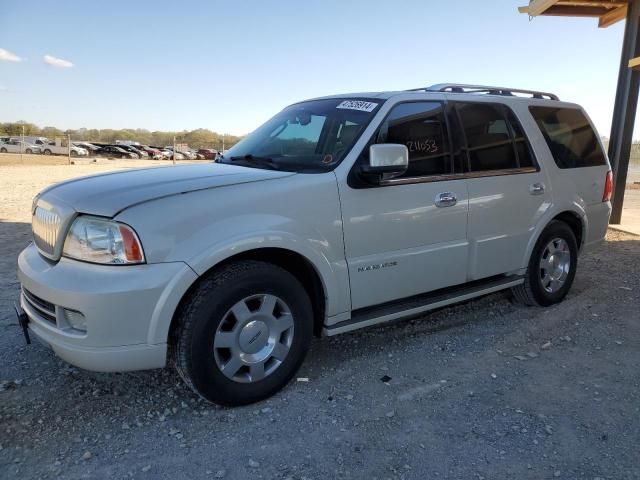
(508, 193)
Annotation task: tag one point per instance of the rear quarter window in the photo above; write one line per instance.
(571, 139)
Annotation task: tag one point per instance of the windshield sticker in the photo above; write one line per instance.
(360, 105)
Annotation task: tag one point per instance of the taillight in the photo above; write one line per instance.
(608, 187)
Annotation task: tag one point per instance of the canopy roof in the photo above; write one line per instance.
(608, 12)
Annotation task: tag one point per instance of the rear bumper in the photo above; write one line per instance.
(127, 309)
(598, 222)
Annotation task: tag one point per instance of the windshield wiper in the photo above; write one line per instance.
(257, 160)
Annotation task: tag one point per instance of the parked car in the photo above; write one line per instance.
(168, 152)
(89, 147)
(151, 152)
(132, 149)
(18, 146)
(188, 154)
(393, 204)
(112, 151)
(208, 153)
(57, 147)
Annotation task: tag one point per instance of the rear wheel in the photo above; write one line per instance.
(28, 151)
(552, 267)
(3, 150)
(47, 152)
(243, 333)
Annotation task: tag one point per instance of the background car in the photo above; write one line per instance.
(113, 151)
(208, 153)
(18, 146)
(89, 147)
(130, 149)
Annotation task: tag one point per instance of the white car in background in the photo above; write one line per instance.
(56, 148)
(18, 146)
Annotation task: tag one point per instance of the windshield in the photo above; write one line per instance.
(311, 136)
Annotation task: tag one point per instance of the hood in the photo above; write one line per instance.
(109, 193)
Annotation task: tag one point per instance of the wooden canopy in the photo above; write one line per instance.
(608, 12)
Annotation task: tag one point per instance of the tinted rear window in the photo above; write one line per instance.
(570, 137)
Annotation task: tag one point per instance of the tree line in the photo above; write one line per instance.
(199, 138)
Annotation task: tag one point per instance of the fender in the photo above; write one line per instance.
(576, 207)
(333, 276)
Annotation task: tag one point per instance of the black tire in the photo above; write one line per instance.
(202, 312)
(28, 151)
(47, 152)
(532, 291)
(3, 150)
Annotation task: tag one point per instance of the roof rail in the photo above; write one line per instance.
(462, 88)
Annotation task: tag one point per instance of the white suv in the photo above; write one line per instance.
(338, 213)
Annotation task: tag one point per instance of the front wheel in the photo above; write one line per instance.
(243, 333)
(552, 267)
(28, 151)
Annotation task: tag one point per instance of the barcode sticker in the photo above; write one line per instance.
(360, 105)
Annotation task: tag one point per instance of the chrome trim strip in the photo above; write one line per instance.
(459, 176)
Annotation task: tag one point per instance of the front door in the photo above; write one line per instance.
(407, 235)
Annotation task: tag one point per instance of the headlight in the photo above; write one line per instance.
(96, 240)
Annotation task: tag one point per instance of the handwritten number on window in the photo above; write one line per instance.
(428, 145)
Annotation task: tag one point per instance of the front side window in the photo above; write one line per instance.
(570, 137)
(311, 136)
(421, 127)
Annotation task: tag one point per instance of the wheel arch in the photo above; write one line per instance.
(575, 218)
(293, 262)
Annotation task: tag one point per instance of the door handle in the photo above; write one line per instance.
(446, 199)
(536, 189)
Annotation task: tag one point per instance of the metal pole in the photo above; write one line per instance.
(68, 149)
(174, 150)
(624, 112)
(22, 146)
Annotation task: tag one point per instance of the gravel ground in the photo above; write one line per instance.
(487, 389)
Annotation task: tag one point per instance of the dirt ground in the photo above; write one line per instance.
(488, 389)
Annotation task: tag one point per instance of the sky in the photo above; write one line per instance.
(230, 65)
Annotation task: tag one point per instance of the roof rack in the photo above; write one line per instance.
(462, 88)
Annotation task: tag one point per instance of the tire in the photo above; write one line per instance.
(3, 150)
(47, 152)
(539, 287)
(208, 313)
(28, 151)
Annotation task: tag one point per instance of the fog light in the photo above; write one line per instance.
(75, 319)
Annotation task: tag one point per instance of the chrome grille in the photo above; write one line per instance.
(45, 226)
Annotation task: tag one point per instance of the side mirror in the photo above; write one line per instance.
(386, 160)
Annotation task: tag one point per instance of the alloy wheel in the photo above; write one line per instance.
(253, 338)
(555, 264)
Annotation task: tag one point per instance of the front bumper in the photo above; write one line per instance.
(127, 309)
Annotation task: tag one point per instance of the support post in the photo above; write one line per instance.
(624, 112)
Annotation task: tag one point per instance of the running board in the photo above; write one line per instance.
(409, 307)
